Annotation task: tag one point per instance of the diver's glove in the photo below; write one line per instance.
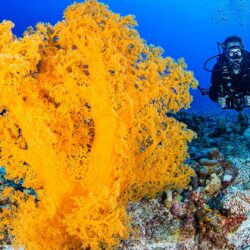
(222, 101)
(247, 100)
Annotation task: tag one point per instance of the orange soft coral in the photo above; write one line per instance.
(86, 126)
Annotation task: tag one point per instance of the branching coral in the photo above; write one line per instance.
(86, 127)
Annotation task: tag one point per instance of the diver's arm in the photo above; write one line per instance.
(247, 60)
(247, 93)
(213, 91)
(215, 82)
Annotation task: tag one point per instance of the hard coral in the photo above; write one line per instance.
(237, 202)
(86, 127)
(231, 223)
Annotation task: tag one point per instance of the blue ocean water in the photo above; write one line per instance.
(183, 28)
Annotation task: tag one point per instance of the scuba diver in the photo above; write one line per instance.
(230, 80)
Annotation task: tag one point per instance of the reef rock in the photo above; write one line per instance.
(237, 202)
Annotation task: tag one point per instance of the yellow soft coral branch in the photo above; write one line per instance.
(86, 127)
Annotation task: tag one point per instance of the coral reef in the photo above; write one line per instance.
(83, 124)
(241, 238)
(89, 134)
(153, 223)
(201, 217)
(237, 202)
(214, 131)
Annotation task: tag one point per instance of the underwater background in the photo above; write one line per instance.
(183, 28)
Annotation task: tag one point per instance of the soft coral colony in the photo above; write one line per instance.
(86, 127)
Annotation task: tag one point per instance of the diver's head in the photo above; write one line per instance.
(234, 51)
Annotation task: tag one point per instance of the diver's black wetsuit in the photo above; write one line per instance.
(223, 82)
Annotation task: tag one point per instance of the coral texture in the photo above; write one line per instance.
(85, 126)
(237, 202)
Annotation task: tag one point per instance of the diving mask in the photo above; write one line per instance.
(234, 53)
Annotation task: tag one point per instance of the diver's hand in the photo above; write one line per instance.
(247, 100)
(222, 101)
